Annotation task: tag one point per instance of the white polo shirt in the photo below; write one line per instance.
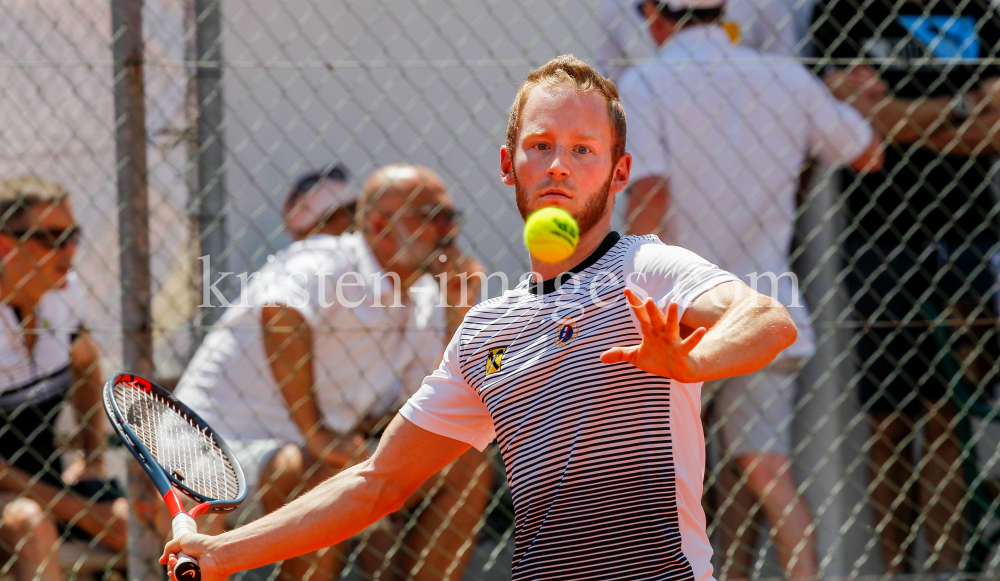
(44, 373)
(732, 128)
(367, 355)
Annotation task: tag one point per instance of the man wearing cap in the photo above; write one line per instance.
(321, 201)
(721, 134)
(331, 336)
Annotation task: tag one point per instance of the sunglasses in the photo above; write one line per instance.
(51, 239)
(437, 214)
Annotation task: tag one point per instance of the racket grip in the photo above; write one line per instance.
(186, 568)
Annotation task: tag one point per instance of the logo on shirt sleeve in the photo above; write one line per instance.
(493, 359)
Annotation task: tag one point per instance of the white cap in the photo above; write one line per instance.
(679, 5)
(318, 203)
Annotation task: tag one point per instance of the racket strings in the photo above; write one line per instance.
(184, 449)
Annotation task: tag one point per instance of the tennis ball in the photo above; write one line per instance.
(551, 234)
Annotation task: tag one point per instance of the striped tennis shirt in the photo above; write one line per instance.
(605, 462)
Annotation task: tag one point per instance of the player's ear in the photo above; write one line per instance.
(620, 173)
(507, 167)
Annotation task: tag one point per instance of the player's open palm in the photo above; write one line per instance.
(662, 351)
(198, 547)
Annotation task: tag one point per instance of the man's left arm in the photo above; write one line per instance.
(728, 330)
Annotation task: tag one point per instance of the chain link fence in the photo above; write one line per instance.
(179, 127)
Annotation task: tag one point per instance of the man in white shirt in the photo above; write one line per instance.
(591, 391)
(721, 134)
(325, 341)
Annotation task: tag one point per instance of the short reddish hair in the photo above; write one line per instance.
(567, 69)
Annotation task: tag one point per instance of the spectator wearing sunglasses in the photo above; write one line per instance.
(47, 360)
(339, 331)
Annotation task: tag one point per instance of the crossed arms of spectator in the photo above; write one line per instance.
(929, 122)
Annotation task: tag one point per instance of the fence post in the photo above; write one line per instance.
(210, 197)
(133, 227)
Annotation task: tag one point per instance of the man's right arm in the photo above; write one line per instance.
(332, 512)
(288, 345)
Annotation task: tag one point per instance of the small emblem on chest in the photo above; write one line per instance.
(493, 359)
(566, 332)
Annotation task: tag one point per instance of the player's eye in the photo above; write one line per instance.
(582, 149)
(542, 147)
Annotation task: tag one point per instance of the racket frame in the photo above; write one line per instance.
(166, 483)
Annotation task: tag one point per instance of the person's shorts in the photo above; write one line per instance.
(895, 293)
(753, 413)
(253, 456)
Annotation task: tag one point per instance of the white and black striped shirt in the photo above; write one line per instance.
(605, 462)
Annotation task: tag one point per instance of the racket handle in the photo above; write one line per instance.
(186, 568)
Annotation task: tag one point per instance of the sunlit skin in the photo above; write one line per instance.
(402, 241)
(30, 268)
(563, 158)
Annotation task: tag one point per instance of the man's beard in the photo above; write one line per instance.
(592, 212)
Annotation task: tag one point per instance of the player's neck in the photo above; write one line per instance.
(589, 241)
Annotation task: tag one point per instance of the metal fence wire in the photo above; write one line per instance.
(850, 170)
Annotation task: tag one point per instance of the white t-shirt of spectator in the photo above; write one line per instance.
(43, 373)
(367, 355)
(731, 128)
(605, 462)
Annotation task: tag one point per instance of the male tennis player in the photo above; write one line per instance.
(593, 396)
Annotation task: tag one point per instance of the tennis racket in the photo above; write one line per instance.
(179, 451)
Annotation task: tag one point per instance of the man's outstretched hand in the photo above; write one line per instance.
(662, 351)
(198, 547)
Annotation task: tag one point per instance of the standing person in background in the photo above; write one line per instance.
(47, 359)
(334, 333)
(922, 235)
(721, 134)
(322, 200)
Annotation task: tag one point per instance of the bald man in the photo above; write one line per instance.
(329, 338)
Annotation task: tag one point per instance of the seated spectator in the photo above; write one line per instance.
(48, 359)
(331, 336)
(322, 200)
(922, 234)
(720, 135)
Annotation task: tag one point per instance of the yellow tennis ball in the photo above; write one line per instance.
(551, 234)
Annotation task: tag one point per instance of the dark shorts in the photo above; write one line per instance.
(896, 292)
(28, 441)
(97, 491)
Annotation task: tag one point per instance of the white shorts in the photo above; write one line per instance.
(253, 455)
(753, 413)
